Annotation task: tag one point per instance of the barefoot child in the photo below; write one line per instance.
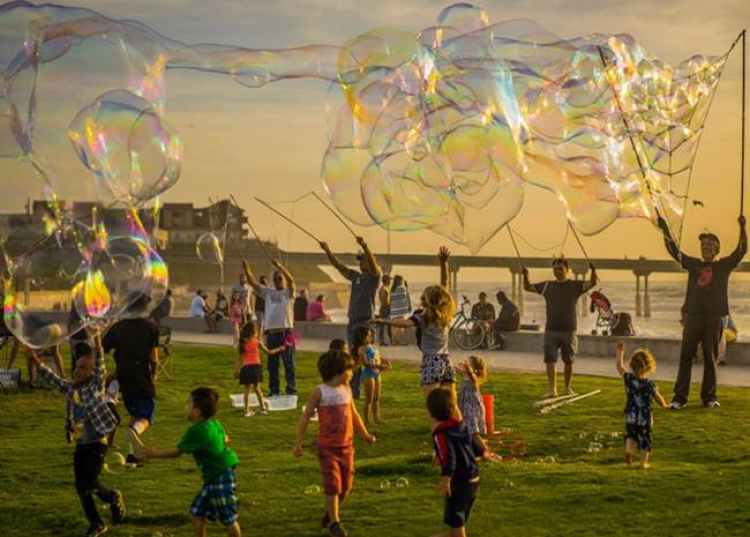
(249, 369)
(640, 392)
(237, 315)
(338, 419)
(457, 452)
(372, 366)
(94, 422)
(207, 441)
(433, 323)
(470, 400)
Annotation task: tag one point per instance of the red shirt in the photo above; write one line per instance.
(250, 355)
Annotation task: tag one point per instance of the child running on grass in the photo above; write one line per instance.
(457, 452)
(372, 366)
(433, 323)
(249, 369)
(207, 441)
(640, 392)
(470, 401)
(338, 419)
(95, 421)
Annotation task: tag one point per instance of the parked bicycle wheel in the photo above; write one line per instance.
(468, 334)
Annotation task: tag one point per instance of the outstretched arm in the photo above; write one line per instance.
(372, 263)
(360, 426)
(335, 263)
(250, 276)
(593, 280)
(151, 452)
(672, 249)
(444, 256)
(286, 275)
(527, 285)
(620, 358)
(46, 373)
(739, 253)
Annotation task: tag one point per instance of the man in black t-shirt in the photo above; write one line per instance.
(561, 296)
(136, 345)
(706, 302)
(300, 306)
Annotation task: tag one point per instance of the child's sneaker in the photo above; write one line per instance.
(249, 414)
(337, 530)
(712, 404)
(262, 412)
(675, 405)
(131, 461)
(96, 530)
(117, 507)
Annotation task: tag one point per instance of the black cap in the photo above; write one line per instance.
(711, 236)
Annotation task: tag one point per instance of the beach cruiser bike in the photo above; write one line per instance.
(469, 333)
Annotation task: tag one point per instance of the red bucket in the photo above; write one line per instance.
(489, 412)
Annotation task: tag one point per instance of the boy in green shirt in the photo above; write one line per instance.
(207, 442)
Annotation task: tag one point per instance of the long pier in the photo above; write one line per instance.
(641, 267)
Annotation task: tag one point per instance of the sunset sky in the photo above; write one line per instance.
(269, 142)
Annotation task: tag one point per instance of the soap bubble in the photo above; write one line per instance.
(385, 484)
(208, 248)
(312, 489)
(402, 482)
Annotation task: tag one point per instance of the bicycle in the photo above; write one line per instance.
(467, 333)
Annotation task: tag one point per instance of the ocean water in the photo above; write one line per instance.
(666, 300)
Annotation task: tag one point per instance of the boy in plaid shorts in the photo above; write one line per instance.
(207, 441)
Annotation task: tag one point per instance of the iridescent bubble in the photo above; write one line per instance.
(45, 274)
(385, 484)
(402, 482)
(208, 248)
(126, 144)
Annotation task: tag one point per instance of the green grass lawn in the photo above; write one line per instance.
(698, 485)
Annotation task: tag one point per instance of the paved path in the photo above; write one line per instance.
(504, 360)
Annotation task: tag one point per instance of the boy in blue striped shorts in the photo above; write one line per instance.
(207, 442)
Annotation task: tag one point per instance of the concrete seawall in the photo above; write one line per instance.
(664, 348)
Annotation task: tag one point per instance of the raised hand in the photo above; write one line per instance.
(324, 246)
(444, 254)
(361, 242)
(741, 220)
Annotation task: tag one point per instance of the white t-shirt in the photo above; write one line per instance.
(279, 308)
(196, 306)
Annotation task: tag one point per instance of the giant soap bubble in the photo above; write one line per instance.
(127, 145)
(442, 129)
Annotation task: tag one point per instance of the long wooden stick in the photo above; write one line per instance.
(575, 234)
(334, 213)
(252, 229)
(549, 408)
(515, 247)
(742, 153)
(282, 215)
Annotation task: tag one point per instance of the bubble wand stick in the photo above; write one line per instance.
(282, 215)
(334, 214)
(515, 247)
(252, 229)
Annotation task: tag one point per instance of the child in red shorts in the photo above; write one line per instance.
(337, 420)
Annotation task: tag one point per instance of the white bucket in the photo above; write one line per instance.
(281, 402)
(238, 400)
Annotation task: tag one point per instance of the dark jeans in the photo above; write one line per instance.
(276, 339)
(704, 329)
(87, 464)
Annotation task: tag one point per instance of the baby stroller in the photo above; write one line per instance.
(611, 323)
